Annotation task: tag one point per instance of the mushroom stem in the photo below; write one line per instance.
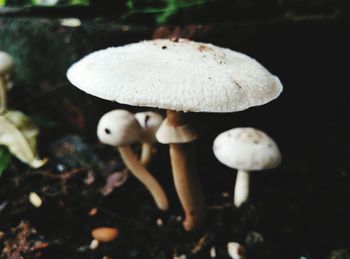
(241, 192)
(141, 173)
(146, 153)
(3, 98)
(185, 176)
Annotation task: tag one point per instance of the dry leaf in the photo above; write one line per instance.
(114, 180)
(18, 134)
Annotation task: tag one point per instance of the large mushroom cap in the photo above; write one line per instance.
(181, 76)
(246, 149)
(6, 63)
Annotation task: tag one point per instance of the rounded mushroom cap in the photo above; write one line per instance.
(6, 63)
(118, 128)
(246, 149)
(150, 122)
(181, 76)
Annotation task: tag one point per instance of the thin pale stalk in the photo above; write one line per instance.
(144, 176)
(241, 192)
(146, 153)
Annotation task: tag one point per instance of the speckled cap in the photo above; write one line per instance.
(246, 149)
(181, 76)
(6, 63)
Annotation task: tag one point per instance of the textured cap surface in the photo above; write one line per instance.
(6, 63)
(181, 76)
(118, 128)
(246, 149)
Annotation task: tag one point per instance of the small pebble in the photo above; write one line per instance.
(94, 244)
(212, 252)
(235, 250)
(70, 22)
(60, 168)
(35, 199)
(105, 234)
(180, 257)
(159, 222)
(3, 205)
(93, 212)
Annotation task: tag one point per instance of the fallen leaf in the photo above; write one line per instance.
(114, 180)
(18, 133)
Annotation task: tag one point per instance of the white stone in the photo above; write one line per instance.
(35, 199)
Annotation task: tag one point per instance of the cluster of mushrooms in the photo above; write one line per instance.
(182, 77)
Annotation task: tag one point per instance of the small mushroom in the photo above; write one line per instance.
(245, 149)
(185, 76)
(6, 66)
(150, 122)
(119, 128)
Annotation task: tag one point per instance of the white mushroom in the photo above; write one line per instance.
(6, 66)
(245, 149)
(179, 76)
(119, 128)
(150, 122)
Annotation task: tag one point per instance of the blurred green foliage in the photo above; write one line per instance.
(42, 2)
(159, 10)
(5, 159)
